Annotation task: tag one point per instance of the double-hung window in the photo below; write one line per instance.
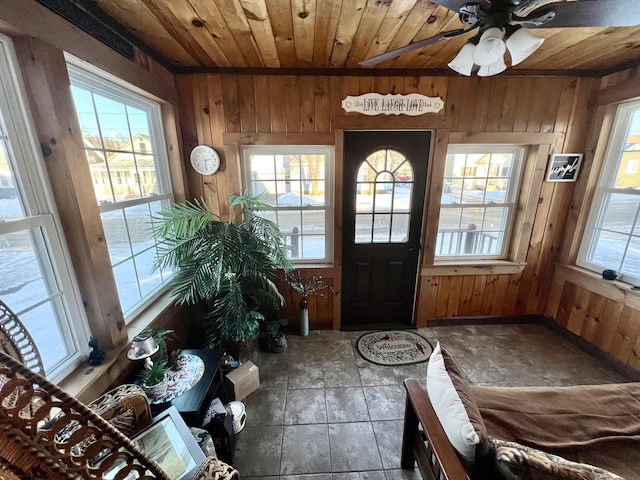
(36, 280)
(124, 144)
(480, 190)
(612, 235)
(296, 182)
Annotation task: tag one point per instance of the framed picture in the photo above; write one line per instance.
(564, 167)
(169, 442)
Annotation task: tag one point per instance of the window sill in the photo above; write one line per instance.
(87, 382)
(615, 290)
(481, 267)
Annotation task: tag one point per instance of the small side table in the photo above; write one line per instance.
(193, 404)
(223, 438)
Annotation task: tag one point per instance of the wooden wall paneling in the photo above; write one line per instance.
(247, 103)
(592, 319)
(189, 133)
(292, 103)
(435, 173)
(173, 141)
(494, 109)
(382, 85)
(498, 306)
(262, 106)
(366, 85)
(322, 97)
(455, 288)
(467, 103)
(336, 95)
(510, 100)
(527, 95)
(48, 90)
(482, 103)
(626, 334)
(577, 313)
(442, 300)
(215, 186)
(454, 101)
(231, 104)
(489, 293)
(479, 282)
(352, 87)
(514, 303)
(466, 295)
(307, 104)
(411, 84)
(277, 106)
(550, 112)
(232, 173)
(426, 305)
(610, 319)
(567, 299)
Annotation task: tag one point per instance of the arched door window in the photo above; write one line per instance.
(384, 186)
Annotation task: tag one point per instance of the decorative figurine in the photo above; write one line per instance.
(96, 356)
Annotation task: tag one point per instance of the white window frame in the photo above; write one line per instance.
(610, 166)
(99, 82)
(328, 207)
(34, 189)
(511, 202)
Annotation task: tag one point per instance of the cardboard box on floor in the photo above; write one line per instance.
(242, 381)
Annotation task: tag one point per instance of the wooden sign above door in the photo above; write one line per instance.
(376, 104)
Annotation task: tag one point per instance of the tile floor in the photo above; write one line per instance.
(325, 413)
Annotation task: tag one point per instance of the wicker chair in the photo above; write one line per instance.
(46, 433)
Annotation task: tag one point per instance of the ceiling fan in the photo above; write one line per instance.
(505, 24)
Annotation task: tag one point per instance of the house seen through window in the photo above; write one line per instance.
(479, 193)
(612, 236)
(296, 182)
(123, 141)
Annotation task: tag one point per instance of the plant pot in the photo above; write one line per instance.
(156, 390)
(277, 343)
(241, 351)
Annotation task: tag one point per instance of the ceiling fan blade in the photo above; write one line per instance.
(412, 46)
(590, 13)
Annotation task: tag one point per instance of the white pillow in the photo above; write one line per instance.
(449, 408)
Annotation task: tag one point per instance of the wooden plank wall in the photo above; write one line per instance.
(604, 313)
(212, 105)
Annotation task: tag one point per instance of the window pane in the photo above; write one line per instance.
(618, 209)
(10, 206)
(364, 224)
(41, 324)
(129, 165)
(115, 231)
(479, 188)
(381, 228)
(609, 249)
(295, 184)
(400, 228)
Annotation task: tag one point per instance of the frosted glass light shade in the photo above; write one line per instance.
(521, 44)
(495, 68)
(463, 62)
(490, 48)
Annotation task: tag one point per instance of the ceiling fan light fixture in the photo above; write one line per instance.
(490, 48)
(463, 62)
(522, 44)
(495, 68)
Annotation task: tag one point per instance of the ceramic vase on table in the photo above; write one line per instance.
(304, 318)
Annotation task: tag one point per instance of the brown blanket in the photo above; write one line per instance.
(595, 424)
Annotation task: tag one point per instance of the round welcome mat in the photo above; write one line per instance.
(394, 347)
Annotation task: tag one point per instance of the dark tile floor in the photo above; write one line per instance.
(324, 413)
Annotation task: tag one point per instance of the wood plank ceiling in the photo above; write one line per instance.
(192, 35)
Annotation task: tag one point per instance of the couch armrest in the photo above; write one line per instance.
(126, 407)
(436, 457)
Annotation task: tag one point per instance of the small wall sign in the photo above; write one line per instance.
(376, 104)
(564, 167)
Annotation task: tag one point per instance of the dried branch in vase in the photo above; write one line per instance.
(306, 286)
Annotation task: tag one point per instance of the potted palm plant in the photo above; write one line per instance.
(228, 265)
(153, 379)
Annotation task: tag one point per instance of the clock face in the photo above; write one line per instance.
(205, 160)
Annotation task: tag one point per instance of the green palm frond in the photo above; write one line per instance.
(182, 219)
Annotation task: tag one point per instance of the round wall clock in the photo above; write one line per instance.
(205, 160)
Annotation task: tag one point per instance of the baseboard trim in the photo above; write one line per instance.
(483, 320)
